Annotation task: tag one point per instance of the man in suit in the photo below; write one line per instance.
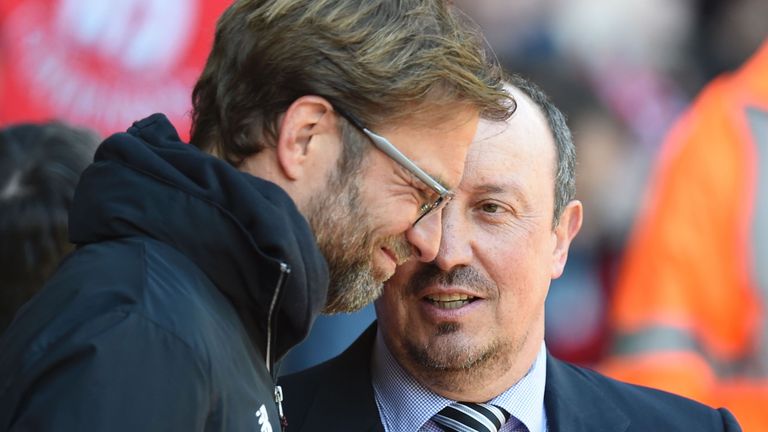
(459, 342)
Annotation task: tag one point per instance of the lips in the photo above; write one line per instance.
(385, 265)
(450, 301)
(398, 248)
(391, 254)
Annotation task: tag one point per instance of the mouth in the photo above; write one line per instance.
(386, 266)
(390, 254)
(450, 301)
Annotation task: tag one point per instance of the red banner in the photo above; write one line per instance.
(103, 64)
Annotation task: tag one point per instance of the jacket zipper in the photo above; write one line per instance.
(279, 402)
(285, 270)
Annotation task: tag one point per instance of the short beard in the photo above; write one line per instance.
(341, 231)
(343, 227)
(453, 367)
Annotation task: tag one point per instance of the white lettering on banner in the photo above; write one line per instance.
(138, 34)
(105, 64)
(263, 419)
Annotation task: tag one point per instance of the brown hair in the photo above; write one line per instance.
(381, 60)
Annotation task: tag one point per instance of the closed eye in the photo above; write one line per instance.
(424, 208)
(425, 195)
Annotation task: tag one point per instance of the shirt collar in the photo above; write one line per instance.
(405, 404)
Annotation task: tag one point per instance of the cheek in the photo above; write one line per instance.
(388, 301)
(521, 307)
(522, 277)
(391, 304)
(395, 284)
(389, 313)
(388, 211)
(520, 256)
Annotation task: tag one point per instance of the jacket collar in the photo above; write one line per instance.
(575, 404)
(348, 388)
(237, 228)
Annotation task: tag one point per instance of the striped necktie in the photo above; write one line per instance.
(471, 417)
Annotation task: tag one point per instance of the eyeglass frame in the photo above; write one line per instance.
(389, 149)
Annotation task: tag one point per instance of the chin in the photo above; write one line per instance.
(381, 275)
(451, 351)
(352, 290)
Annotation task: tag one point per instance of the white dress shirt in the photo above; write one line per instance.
(407, 406)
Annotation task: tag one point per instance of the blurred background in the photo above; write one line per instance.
(621, 70)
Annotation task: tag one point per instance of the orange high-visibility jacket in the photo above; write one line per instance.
(690, 312)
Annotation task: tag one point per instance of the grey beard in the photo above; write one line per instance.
(351, 290)
(458, 368)
(451, 358)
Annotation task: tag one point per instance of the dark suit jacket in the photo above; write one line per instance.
(338, 396)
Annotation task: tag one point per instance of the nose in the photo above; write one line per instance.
(455, 246)
(425, 237)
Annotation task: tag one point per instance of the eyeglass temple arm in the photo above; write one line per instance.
(384, 145)
(390, 150)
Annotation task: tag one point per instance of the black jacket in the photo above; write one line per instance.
(190, 280)
(337, 396)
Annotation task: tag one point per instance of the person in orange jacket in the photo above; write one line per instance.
(690, 311)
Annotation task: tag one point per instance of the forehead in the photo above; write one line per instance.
(437, 144)
(522, 149)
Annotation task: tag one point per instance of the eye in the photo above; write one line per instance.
(425, 195)
(490, 207)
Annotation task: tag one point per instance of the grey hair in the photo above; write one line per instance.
(565, 169)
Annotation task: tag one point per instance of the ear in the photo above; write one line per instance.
(306, 118)
(567, 228)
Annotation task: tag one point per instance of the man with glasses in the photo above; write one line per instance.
(197, 271)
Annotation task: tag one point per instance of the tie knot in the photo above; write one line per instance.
(471, 417)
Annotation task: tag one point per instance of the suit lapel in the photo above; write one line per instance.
(574, 403)
(345, 400)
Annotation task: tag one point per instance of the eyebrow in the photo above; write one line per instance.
(512, 187)
(489, 188)
(439, 179)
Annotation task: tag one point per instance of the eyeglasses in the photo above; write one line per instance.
(444, 196)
